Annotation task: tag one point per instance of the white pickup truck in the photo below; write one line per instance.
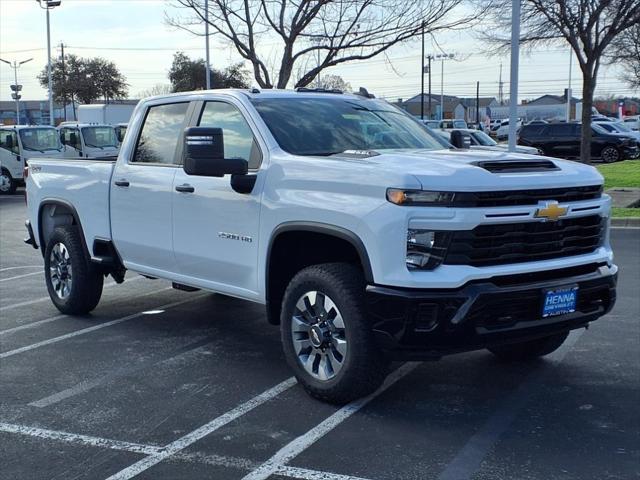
(365, 237)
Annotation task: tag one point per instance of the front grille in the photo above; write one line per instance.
(527, 197)
(488, 245)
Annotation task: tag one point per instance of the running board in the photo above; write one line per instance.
(184, 288)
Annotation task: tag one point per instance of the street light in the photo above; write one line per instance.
(15, 87)
(49, 5)
(443, 57)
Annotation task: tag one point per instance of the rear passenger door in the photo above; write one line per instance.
(566, 140)
(142, 191)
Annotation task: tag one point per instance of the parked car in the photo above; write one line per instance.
(431, 123)
(455, 123)
(482, 141)
(502, 132)
(563, 140)
(364, 244)
(88, 140)
(619, 128)
(633, 122)
(19, 144)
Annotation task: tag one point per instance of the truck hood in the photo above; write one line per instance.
(458, 170)
(505, 148)
(52, 153)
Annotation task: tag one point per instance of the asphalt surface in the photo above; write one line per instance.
(196, 387)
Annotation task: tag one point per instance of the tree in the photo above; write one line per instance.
(589, 26)
(333, 31)
(157, 89)
(334, 82)
(187, 74)
(626, 53)
(84, 80)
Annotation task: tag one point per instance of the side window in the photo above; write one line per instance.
(563, 130)
(160, 134)
(239, 141)
(9, 141)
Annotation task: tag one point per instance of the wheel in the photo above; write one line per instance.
(519, 352)
(74, 284)
(610, 154)
(325, 335)
(7, 184)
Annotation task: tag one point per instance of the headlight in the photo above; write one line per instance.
(426, 249)
(419, 197)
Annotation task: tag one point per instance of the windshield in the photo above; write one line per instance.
(99, 137)
(621, 127)
(459, 124)
(40, 139)
(327, 126)
(484, 139)
(598, 129)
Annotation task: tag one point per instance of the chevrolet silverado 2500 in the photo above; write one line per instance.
(365, 237)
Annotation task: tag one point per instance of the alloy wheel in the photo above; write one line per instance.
(60, 270)
(318, 335)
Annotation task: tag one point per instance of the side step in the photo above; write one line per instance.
(184, 288)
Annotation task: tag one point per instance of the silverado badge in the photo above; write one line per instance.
(550, 211)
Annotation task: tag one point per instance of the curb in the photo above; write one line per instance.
(632, 222)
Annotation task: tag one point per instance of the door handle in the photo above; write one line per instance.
(185, 188)
(121, 183)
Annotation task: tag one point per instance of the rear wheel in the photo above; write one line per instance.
(325, 334)
(73, 282)
(7, 183)
(610, 154)
(519, 352)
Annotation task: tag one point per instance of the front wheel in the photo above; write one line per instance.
(610, 154)
(520, 352)
(325, 334)
(73, 282)
(8, 185)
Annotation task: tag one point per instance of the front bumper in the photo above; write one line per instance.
(418, 324)
(630, 152)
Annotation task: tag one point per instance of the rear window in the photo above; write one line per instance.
(563, 130)
(532, 130)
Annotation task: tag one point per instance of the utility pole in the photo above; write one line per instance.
(515, 60)
(49, 5)
(206, 35)
(500, 88)
(478, 104)
(569, 89)
(64, 83)
(443, 57)
(16, 88)
(422, 78)
(430, 57)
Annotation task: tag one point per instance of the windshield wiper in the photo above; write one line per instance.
(32, 149)
(94, 146)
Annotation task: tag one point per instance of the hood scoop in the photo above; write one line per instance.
(517, 166)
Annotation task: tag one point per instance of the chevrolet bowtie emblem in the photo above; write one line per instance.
(550, 211)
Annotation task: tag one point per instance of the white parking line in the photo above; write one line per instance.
(42, 299)
(183, 442)
(49, 341)
(59, 317)
(6, 269)
(300, 444)
(145, 449)
(467, 461)
(17, 277)
(79, 439)
(87, 385)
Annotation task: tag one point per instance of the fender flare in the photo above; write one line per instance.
(74, 213)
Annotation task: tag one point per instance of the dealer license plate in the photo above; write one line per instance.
(559, 301)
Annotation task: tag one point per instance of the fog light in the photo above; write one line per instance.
(425, 248)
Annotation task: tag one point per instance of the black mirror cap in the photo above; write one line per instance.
(460, 139)
(204, 154)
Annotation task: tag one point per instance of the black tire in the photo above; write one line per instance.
(521, 352)
(8, 184)
(364, 366)
(86, 281)
(610, 154)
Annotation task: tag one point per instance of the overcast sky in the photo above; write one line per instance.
(134, 35)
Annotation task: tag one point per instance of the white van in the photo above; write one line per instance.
(20, 143)
(88, 140)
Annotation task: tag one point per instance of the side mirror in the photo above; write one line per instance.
(62, 138)
(73, 140)
(9, 142)
(460, 139)
(204, 154)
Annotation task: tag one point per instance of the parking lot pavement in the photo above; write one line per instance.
(163, 384)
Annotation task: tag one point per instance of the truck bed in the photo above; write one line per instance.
(84, 184)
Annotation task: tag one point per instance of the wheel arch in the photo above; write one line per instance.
(54, 212)
(347, 246)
